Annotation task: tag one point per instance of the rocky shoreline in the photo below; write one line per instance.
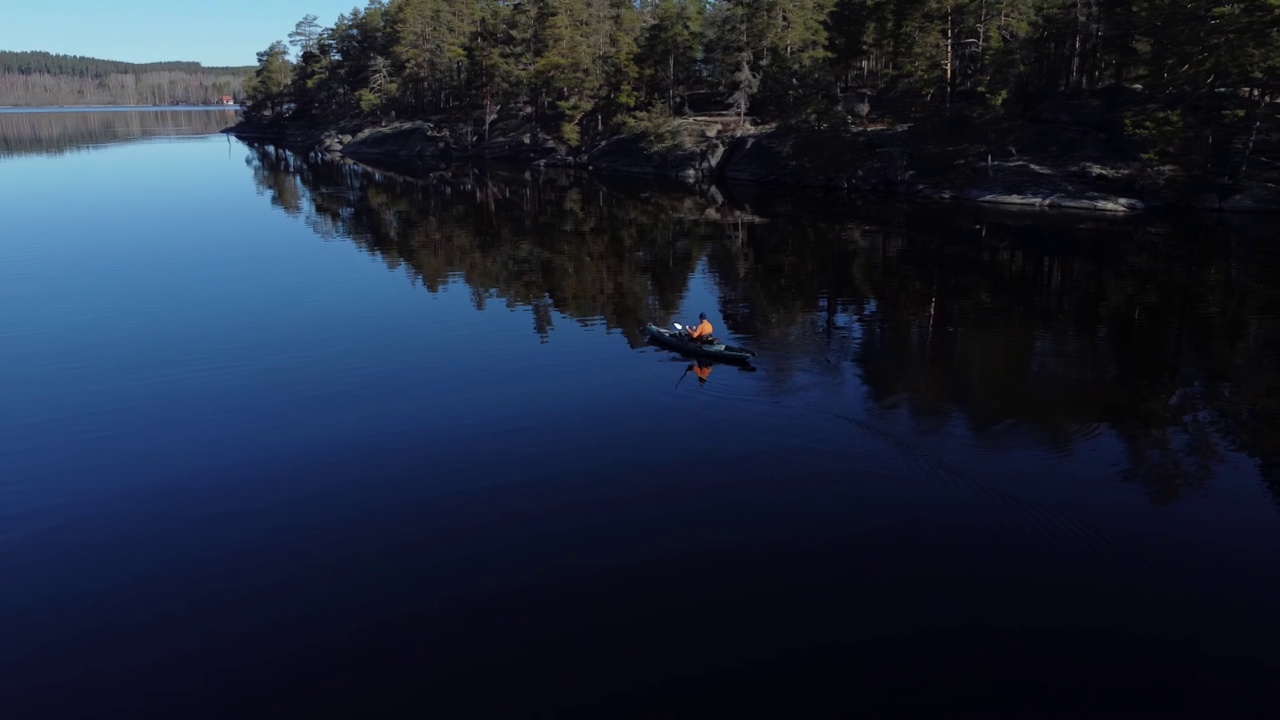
(1065, 169)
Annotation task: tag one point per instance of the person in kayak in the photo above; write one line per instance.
(702, 333)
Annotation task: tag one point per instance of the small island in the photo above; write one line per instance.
(1100, 107)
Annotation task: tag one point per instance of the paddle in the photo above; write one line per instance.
(686, 372)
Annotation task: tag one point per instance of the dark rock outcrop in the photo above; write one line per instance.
(903, 161)
(415, 139)
(751, 160)
(1033, 197)
(691, 164)
(1259, 198)
(520, 148)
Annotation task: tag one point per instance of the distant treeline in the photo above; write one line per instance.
(40, 78)
(31, 63)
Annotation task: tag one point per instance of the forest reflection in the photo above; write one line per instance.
(33, 132)
(1165, 331)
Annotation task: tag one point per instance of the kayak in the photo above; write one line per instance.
(677, 340)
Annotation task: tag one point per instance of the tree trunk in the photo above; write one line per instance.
(671, 79)
(950, 55)
(1248, 148)
(1072, 74)
(982, 36)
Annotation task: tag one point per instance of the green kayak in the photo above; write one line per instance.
(679, 341)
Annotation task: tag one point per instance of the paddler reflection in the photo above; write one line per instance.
(702, 368)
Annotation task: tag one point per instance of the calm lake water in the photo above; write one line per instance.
(281, 437)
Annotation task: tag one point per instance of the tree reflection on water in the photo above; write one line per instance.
(1164, 330)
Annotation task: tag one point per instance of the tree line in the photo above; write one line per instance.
(41, 78)
(588, 68)
(30, 63)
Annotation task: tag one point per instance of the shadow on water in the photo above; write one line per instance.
(1026, 328)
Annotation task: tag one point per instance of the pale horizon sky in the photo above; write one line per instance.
(222, 32)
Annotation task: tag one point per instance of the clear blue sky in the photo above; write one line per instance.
(213, 32)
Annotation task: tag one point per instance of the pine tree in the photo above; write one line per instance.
(266, 92)
(492, 79)
(671, 50)
(619, 71)
(738, 50)
(430, 47)
(797, 76)
(564, 73)
(305, 34)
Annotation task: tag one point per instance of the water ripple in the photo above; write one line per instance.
(1054, 531)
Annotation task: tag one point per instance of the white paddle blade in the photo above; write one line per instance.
(677, 326)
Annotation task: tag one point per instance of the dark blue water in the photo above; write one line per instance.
(288, 437)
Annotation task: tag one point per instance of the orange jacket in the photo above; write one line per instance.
(702, 331)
